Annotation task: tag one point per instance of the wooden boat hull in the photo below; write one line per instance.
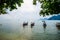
(58, 26)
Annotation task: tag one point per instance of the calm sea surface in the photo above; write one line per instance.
(15, 31)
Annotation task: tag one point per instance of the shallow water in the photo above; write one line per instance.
(15, 31)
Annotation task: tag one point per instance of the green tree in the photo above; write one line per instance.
(49, 7)
(11, 4)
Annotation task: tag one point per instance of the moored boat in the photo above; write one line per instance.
(58, 25)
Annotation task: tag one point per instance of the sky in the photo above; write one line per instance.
(27, 12)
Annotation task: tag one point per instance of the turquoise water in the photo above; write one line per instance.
(15, 31)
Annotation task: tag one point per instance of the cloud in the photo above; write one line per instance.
(27, 11)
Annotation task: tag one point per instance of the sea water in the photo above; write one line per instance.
(14, 30)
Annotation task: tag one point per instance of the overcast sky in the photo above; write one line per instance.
(27, 11)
